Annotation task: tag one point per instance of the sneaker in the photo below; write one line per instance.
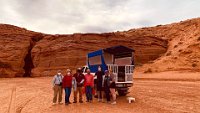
(80, 101)
(74, 102)
(99, 100)
(113, 103)
(108, 102)
(60, 103)
(54, 104)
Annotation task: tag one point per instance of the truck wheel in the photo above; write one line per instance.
(122, 92)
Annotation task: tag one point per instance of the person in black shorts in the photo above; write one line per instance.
(112, 86)
(99, 75)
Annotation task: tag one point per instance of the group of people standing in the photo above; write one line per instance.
(80, 84)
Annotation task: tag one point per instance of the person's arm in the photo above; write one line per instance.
(92, 81)
(113, 78)
(103, 78)
(73, 81)
(103, 73)
(53, 81)
(82, 81)
(95, 74)
(62, 77)
(63, 82)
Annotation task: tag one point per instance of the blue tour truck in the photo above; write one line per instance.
(119, 59)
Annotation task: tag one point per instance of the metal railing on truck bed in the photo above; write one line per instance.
(125, 75)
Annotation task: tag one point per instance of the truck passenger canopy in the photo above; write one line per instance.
(120, 51)
(119, 55)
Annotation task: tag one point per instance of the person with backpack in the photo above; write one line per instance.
(57, 87)
(67, 85)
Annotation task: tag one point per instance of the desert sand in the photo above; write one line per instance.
(165, 92)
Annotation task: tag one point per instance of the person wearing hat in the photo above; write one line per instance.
(106, 85)
(79, 78)
(67, 85)
(57, 87)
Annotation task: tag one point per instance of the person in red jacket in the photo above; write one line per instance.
(67, 85)
(89, 84)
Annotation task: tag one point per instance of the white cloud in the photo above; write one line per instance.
(71, 16)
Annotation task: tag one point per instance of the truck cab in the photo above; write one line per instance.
(119, 59)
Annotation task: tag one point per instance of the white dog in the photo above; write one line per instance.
(130, 99)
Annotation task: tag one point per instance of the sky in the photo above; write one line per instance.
(94, 16)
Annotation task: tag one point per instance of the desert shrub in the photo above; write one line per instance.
(170, 39)
(180, 50)
(169, 53)
(180, 43)
(198, 39)
(149, 70)
(194, 65)
(175, 46)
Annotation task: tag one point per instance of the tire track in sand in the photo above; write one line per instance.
(11, 108)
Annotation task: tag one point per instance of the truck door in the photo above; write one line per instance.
(129, 73)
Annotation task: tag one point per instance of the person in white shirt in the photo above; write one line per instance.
(57, 87)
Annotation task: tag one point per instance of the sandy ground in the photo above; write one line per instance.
(166, 92)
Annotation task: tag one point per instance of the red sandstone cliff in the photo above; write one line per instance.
(69, 51)
(168, 47)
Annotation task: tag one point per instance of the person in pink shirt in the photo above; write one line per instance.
(89, 85)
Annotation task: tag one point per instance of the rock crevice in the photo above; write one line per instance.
(28, 62)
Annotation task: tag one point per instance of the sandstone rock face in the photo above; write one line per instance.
(14, 46)
(183, 47)
(164, 47)
(13, 50)
(69, 51)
